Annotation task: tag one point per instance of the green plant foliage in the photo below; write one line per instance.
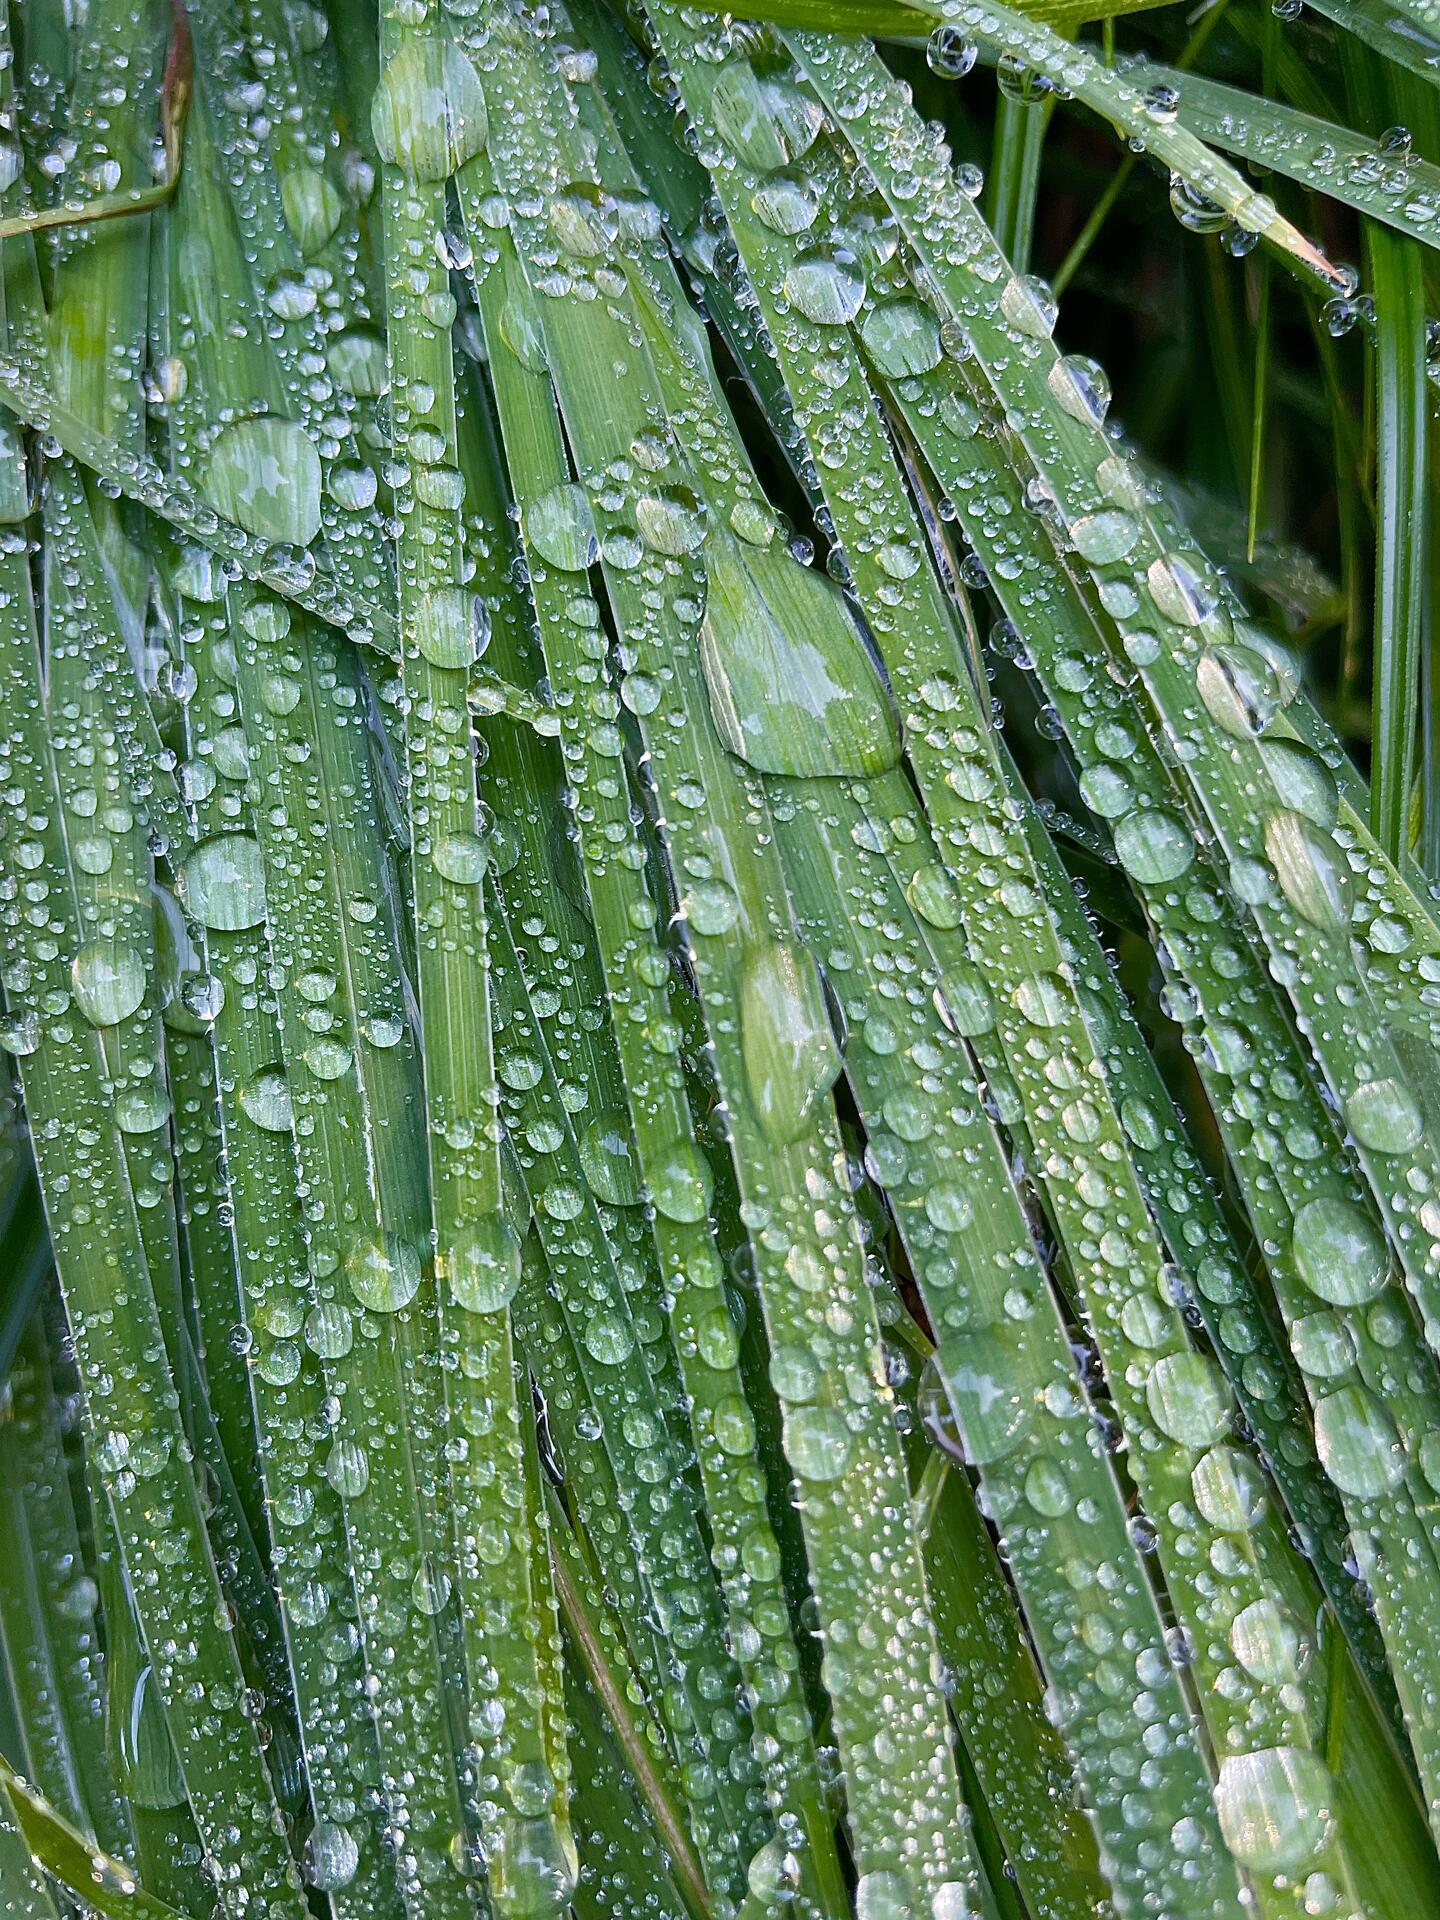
(719, 1024)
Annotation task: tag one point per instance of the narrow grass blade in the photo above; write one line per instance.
(106, 1886)
(528, 1851)
(1401, 532)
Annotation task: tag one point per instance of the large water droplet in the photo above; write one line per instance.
(1339, 1252)
(902, 337)
(1308, 866)
(1274, 1808)
(428, 114)
(108, 979)
(384, 1276)
(1187, 1399)
(222, 883)
(264, 474)
(485, 1265)
(1357, 1443)
(829, 292)
(788, 1048)
(793, 689)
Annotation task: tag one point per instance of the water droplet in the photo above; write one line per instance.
(788, 1048)
(681, 1184)
(1081, 388)
(222, 883)
(485, 1265)
(428, 113)
(1339, 1252)
(265, 1098)
(383, 1276)
(108, 979)
(793, 689)
(1308, 866)
(902, 337)
(1153, 847)
(608, 1160)
(264, 474)
(1357, 1443)
(787, 203)
(1187, 1399)
(1384, 1116)
(560, 529)
(828, 291)
(608, 1337)
(313, 207)
(818, 1443)
(460, 858)
(332, 1856)
(1274, 1808)
(990, 1410)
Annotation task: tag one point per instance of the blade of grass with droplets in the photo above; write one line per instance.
(350, 1074)
(575, 1433)
(114, 979)
(225, 993)
(104, 1885)
(782, 1147)
(1032, 48)
(595, 1651)
(827, 857)
(608, 1353)
(1271, 820)
(1350, 1421)
(1405, 31)
(1401, 190)
(623, 1869)
(1022, 1411)
(637, 971)
(477, 1253)
(130, 1398)
(1018, 1754)
(301, 247)
(583, 1187)
(1401, 502)
(24, 1892)
(1200, 1606)
(348, 1060)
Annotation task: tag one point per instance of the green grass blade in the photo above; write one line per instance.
(48, 1610)
(528, 1851)
(1401, 511)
